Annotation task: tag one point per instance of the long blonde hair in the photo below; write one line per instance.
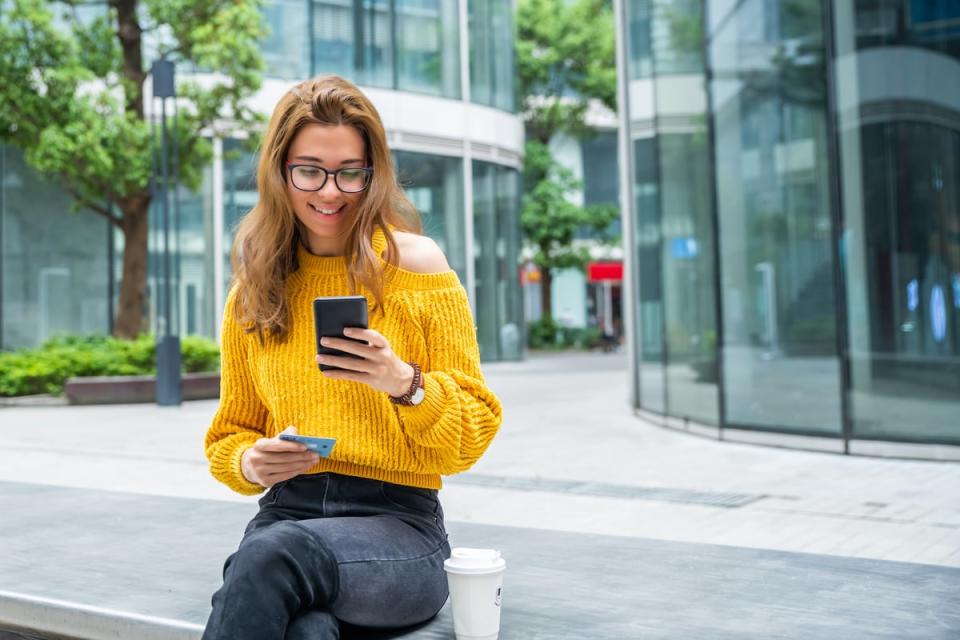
(265, 248)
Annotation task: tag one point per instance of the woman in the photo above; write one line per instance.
(357, 537)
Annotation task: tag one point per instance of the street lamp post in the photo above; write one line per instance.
(169, 391)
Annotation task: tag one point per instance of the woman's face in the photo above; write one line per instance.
(324, 212)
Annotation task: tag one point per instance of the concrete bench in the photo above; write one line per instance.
(94, 564)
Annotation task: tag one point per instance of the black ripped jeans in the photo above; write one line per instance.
(326, 548)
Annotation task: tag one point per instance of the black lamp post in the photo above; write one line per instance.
(169, 392)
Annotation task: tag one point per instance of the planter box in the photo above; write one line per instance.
(127, 389)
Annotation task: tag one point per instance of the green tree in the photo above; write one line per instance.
(565, 59)
(72, 97)
(550, 221)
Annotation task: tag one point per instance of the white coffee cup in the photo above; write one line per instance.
(475, 577)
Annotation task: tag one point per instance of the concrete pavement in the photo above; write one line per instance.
(570, 456)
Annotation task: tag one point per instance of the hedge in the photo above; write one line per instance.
(47, 368)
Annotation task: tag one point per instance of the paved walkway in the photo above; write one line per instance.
(571, 456)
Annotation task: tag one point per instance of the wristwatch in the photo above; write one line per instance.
(416, 393)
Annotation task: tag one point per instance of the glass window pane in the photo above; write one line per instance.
(688, 272)
(900, 149)
(54, 261)
(435, 186)
(428, 47)
(354, 39)
(239, 194)
(286, 50)
(499, 314)
(649, 295)
(780, 363)
(492, 73)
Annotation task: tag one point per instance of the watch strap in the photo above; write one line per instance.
(407, 398)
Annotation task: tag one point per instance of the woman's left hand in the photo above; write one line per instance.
(378, 367)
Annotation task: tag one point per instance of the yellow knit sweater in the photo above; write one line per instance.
(266, 387)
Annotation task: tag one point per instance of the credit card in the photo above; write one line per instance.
(320, 446)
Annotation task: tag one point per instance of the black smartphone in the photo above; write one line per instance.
(331, 315)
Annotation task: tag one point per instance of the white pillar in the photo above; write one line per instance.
(625, 158)
(219, 295)
(467, 154)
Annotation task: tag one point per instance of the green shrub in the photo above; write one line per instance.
(548, 334)
(47, 368)
(543, 334)
(199, 354)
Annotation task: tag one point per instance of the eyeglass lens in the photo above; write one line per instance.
(309, 178)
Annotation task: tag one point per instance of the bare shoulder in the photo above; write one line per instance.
(420, 254)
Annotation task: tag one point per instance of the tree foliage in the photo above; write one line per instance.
(565, 59)
(72, 95)
(549, 220)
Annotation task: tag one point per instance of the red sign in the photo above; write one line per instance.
(604, 272)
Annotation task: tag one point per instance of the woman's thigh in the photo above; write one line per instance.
(388, 541)
(390, 575)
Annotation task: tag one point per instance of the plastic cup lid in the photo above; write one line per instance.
(468, 560)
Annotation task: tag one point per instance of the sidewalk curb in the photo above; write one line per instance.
(73, 620)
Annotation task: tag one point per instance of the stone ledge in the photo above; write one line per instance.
(130, 389)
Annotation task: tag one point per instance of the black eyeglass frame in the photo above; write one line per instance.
(326, 176)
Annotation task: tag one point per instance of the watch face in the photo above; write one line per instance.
(417, 396)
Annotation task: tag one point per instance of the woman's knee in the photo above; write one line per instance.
(281, 544)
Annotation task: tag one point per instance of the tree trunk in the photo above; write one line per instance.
(130, 321)
(130, 309)
(546, 293)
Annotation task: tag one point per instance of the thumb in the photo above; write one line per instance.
(290, 429)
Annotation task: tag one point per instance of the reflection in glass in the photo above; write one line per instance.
(688, 269)
(769, 95)
(900, 149)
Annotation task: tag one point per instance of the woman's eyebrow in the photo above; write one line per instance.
(319, 161)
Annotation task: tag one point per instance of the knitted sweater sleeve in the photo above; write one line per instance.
(459, 415)
(241, 418)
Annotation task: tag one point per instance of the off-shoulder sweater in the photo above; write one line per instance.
(267, 386)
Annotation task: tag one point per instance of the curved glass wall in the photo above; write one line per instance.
(492, 69)
(796, 214)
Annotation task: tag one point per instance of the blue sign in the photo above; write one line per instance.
(956, 290)
(913, 295)
(938, 313)
(685, 248)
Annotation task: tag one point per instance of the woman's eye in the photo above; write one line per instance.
(309, 172)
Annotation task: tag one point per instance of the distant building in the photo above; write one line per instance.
(442, 75)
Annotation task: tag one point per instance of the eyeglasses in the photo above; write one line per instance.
(309, 177)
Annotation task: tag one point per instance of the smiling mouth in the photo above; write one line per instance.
(326, 212)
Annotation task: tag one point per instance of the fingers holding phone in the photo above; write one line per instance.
(369, 360)
(272, 460)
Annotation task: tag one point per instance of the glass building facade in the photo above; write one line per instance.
(59, 270)
(793, 183)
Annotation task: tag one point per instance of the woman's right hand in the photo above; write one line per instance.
(272, 460)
